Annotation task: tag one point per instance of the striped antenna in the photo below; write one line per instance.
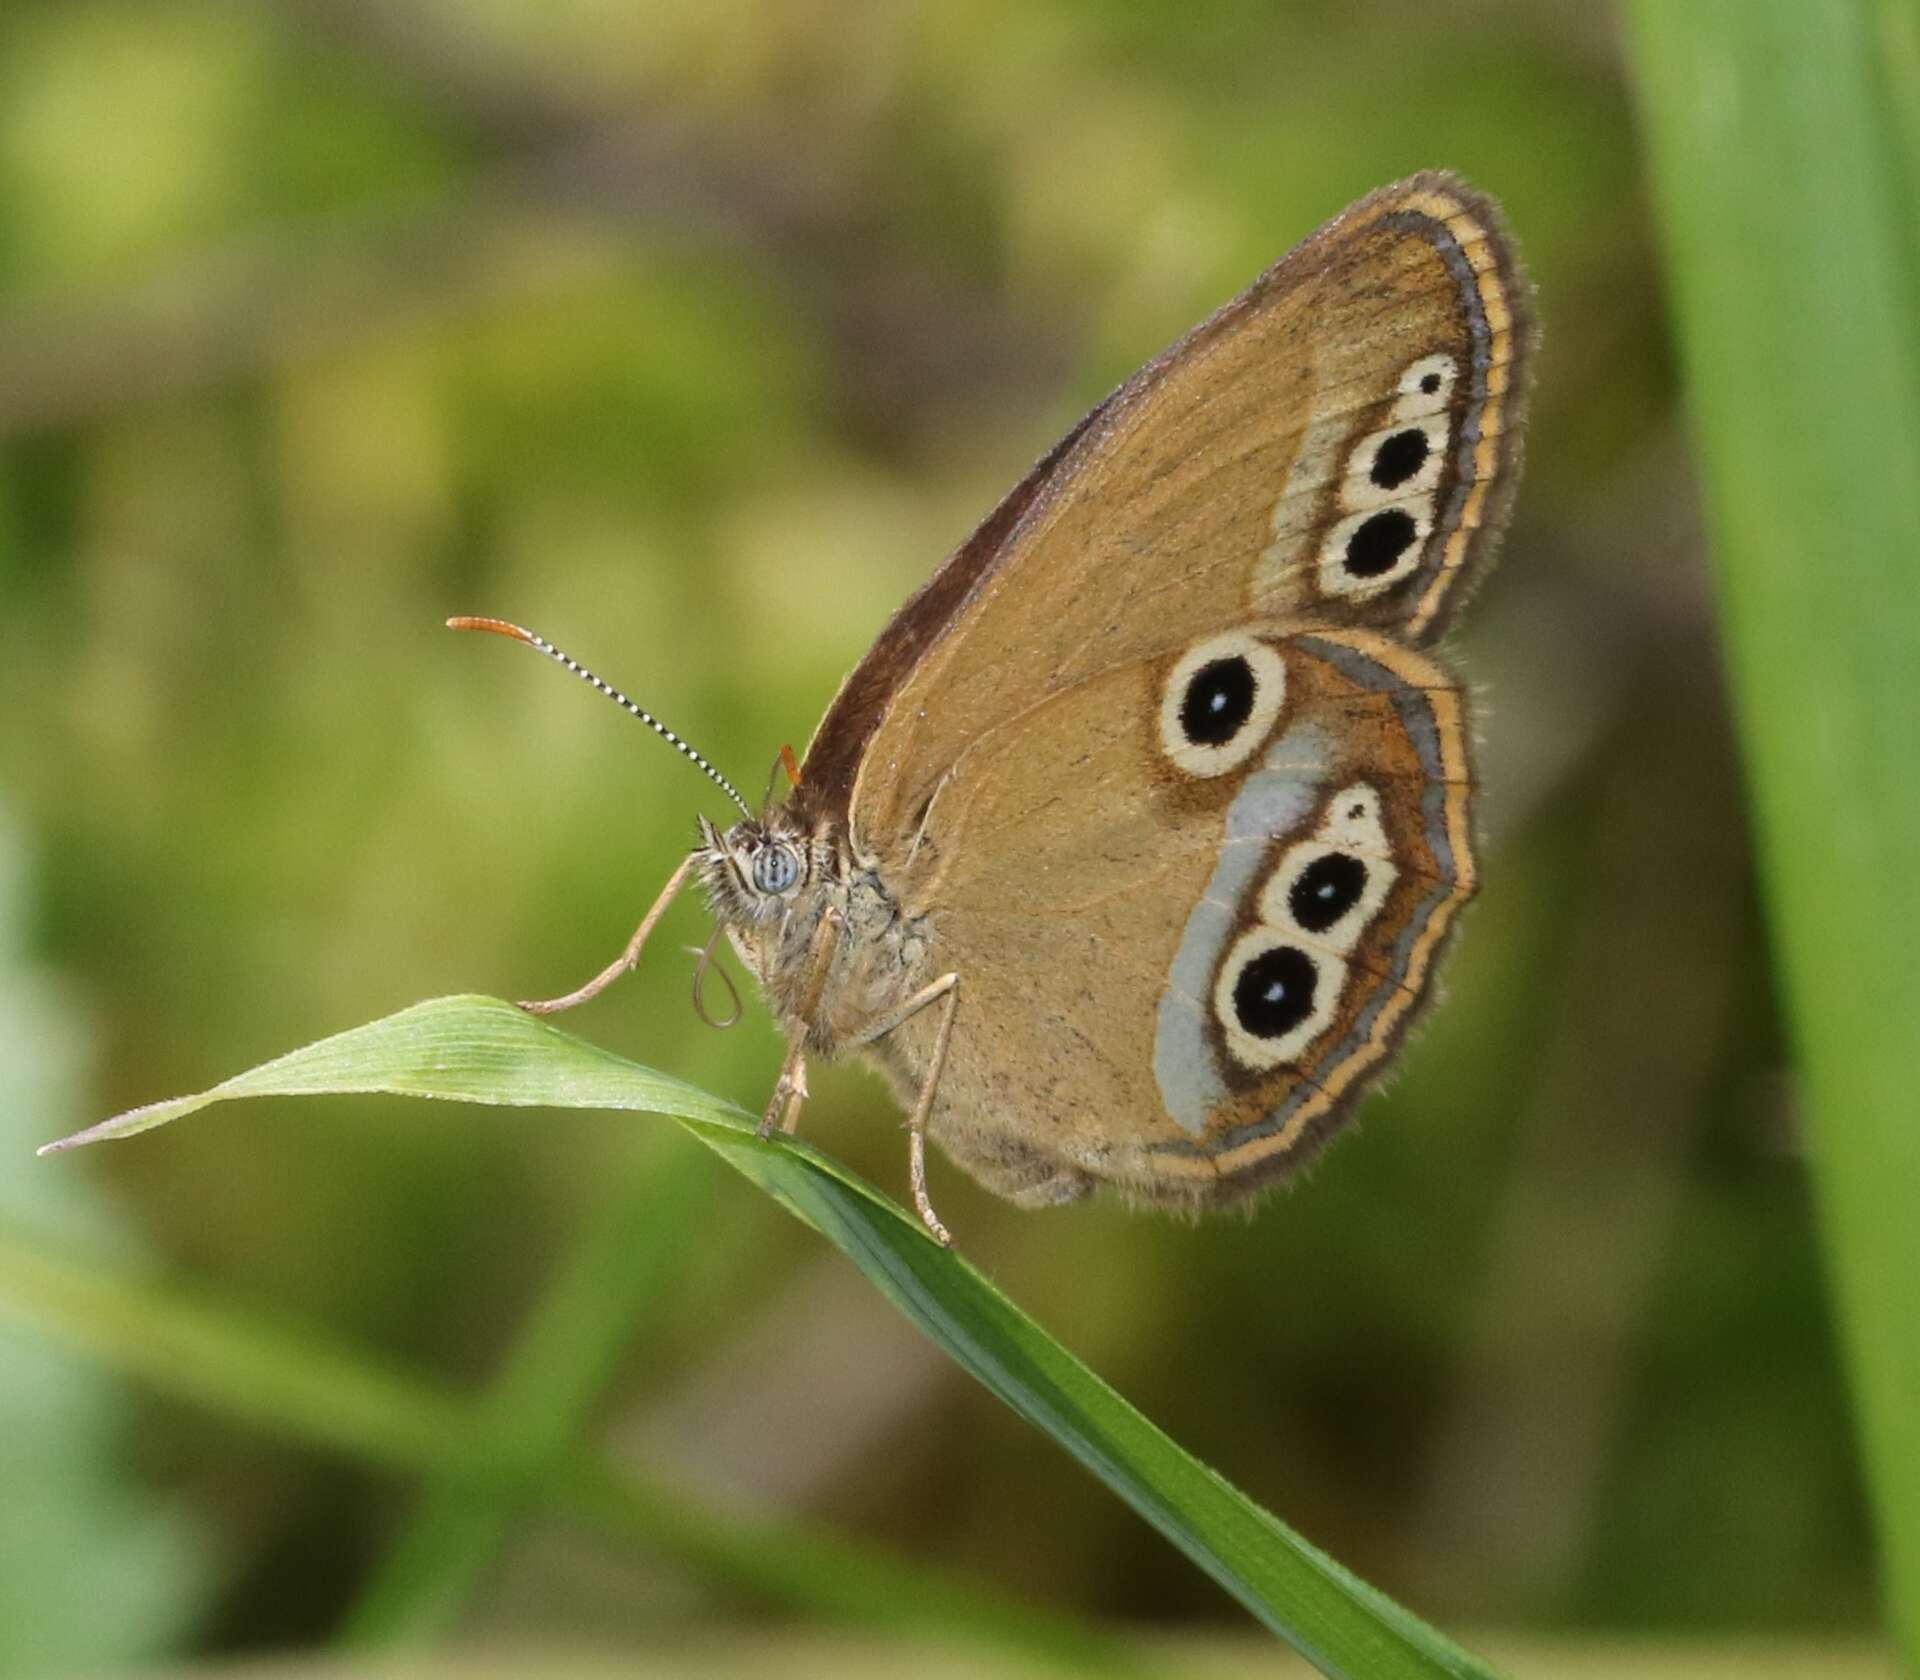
(500, 627)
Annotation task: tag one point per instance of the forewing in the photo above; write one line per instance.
(1336, 446)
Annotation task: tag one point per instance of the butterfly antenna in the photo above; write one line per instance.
(500, 627)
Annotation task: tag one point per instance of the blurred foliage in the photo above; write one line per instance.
(693, 337)
(96, 1566)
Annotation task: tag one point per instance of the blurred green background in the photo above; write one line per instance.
(694, 337)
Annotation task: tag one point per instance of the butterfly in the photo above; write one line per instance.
(1130, 848)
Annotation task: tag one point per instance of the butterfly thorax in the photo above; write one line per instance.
(814, 924)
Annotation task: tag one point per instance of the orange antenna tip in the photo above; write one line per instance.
(498, 627)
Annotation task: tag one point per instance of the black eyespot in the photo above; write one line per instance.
(1326, 890)
(1430, 383)
(1218, 701)
(1399, 458)
(1274, 993)
(1378, 541)
(776, 869)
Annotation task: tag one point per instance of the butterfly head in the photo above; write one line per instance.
(751, 871)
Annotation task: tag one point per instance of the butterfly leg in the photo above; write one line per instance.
(945, 992)
(917, 1121)
(625, 962)
(789, 1090)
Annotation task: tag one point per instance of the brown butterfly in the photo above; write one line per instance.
(1129, 848)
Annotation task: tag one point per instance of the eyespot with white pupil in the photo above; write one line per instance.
(1274, 997)
(776, 869)
(1326, 890)
(1274, 992)
(1220, 702)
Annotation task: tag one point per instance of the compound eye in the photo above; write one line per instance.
(776, 869)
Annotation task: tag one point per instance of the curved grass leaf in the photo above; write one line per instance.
(479, 1049)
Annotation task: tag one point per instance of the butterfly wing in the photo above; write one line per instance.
(1156, 763)
(1336, 443)
(1220, 919)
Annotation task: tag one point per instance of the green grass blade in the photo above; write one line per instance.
(480, 1049)
(1781, 136)
(289, 1383)
(462, 1049)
